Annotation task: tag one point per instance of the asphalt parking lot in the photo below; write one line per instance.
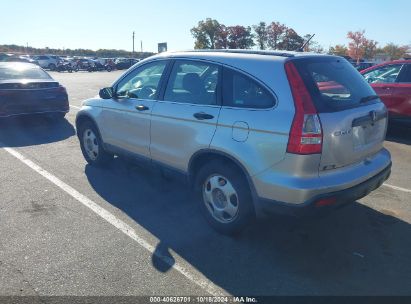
(70, 229)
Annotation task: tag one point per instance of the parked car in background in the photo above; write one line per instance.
(125, 63)
(27, 89)
(85, 64)
(47, 61)
(364, 65)
(65, 65)
(392, 82)
(3, 56)
(22, 58)
(252, 131)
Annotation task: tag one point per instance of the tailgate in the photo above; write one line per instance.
(351, 136)
(353, 118)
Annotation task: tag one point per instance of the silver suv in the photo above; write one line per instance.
(252, 131)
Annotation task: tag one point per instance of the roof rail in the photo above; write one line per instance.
(252, 52)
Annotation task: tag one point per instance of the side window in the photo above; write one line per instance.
(193, 82)
(405, 76)
(385, 74)
(143, 82)
(242, 91)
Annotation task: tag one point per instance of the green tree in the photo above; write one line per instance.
(275, 32)
(291, 41)
(206, 34)
(222, 38)
(240, 37)
(339, 50)
(261, 35)
(370, 48)
(395, 51)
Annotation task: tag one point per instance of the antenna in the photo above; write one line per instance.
(301, 49)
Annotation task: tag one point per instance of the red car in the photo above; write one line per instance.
(392, 82)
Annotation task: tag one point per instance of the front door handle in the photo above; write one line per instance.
(142, 108)
(203, 116)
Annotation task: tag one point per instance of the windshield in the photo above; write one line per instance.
(333, 83)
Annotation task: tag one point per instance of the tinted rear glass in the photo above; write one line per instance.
(19, 72)
(241, 91)
(333, 83)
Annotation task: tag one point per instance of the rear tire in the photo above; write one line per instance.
(92, 145)
(225, 197)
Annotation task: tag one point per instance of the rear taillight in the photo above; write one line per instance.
(326, 202)
(306, 132)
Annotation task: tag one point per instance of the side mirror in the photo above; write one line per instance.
(106, 93)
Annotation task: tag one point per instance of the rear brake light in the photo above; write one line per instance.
(326, 202)
(306, 132)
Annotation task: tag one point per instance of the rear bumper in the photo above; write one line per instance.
(336, 199)
(12, 114)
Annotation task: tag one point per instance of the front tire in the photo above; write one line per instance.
(225, 197)
(92, 145)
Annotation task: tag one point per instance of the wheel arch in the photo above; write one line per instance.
(205, 155)
(82, 118)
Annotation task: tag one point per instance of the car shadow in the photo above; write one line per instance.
(399, 131)
(354, 251)
(33, 130)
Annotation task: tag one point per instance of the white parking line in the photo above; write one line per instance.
(397, 188)
(192, 275)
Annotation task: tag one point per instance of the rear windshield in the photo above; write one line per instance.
(333, 83)
(22, 73)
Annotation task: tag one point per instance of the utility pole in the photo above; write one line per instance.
(133, 44)
(141, 45)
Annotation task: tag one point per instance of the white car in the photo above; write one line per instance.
(47, 61)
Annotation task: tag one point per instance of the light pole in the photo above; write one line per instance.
(133, 44)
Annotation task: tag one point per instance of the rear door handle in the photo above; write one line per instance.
(142, 108)
(203, 116)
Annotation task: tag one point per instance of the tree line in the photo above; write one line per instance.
(360, 46)
(211, 34)
(105, 53)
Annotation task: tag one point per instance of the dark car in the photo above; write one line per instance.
(15, 58)
(364, 65)
(125, 63)
(27, 89)
(392, 82)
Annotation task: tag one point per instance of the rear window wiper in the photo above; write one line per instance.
(369, 98)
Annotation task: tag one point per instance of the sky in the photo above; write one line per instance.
(100, 24)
